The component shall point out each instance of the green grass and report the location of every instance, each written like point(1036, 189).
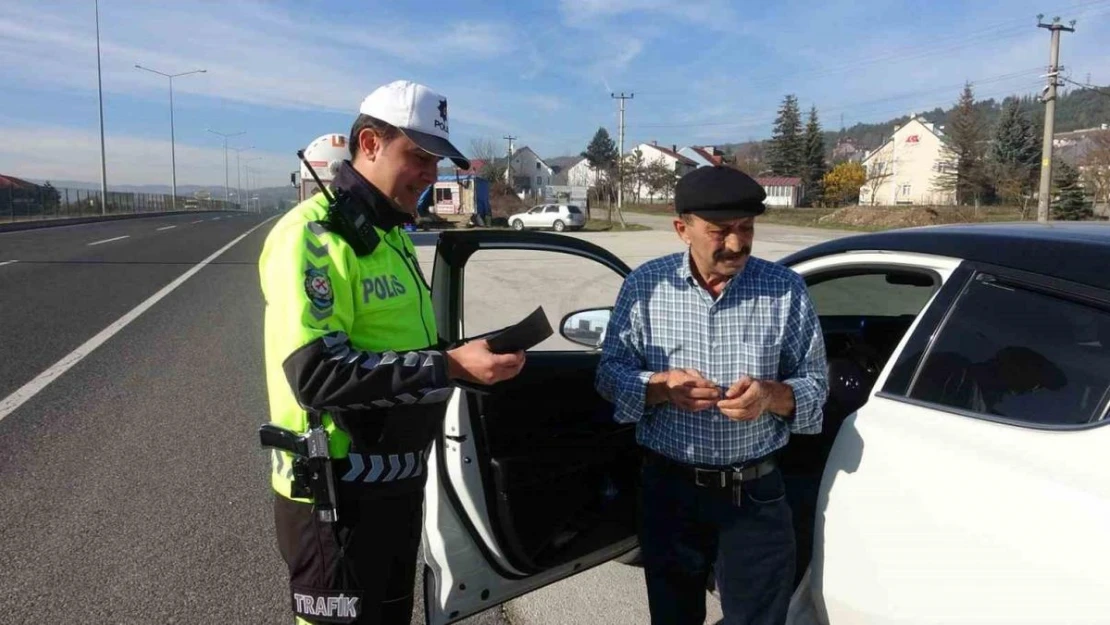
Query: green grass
point(811, 217)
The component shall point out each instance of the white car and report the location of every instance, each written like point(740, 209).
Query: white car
point(558, 217)
point(961, 476)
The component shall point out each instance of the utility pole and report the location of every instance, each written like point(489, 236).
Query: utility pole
point(100, 99)
point(509, 163)
point(620, 155)
point(227, 181)
point(1049, 99)
point(173, 155)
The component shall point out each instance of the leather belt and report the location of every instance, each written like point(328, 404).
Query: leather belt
point(713, 477)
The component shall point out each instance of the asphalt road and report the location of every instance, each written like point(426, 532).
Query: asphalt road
point(133, 489)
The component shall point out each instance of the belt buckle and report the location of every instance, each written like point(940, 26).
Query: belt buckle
point(722, 478)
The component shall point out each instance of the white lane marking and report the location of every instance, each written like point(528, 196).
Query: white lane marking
point(214, 219)
point(166, 228)
point(8, 262)
point(110, 240)
point(198, 221)
point(30, 389)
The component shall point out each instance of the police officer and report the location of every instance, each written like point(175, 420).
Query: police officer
point(350, 334)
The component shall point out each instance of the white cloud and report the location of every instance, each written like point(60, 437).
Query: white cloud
point(58, 153)
point(713, 14)
point(255, 54)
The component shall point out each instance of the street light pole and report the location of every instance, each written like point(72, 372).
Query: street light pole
point(173, 155)
point(227, 181)
point(100, 99)
point(239, 173)
point(247, 168)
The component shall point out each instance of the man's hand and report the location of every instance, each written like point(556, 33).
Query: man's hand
point(745, 400)
point(474, 362)
point(749, 398)
point(685, 388)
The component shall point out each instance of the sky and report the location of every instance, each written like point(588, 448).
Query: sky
point(702, 72)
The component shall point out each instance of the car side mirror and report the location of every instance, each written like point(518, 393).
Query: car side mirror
point(586, 327)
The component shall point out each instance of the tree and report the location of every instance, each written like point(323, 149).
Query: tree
point(634, 168)
point(815, 166)
point(1096, 166)
point(963, 170)
point(1013, 156)
point(601, 155)
point(752, 160)
point(1071, 203)
point(786, 154)
point(843, 182)
point(878, 170)
point(659, 179)
point(484, 150)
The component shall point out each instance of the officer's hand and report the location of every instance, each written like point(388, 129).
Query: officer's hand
point(474, 362)
point(745, 400)
point(685, 388)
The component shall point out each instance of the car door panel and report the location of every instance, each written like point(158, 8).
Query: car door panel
point(532, 479)
point(927, 515)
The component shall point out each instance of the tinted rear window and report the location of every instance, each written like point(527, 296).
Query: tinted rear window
point(574, 210)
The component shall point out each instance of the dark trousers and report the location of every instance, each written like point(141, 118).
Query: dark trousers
point(359, 570)
point(685, 530)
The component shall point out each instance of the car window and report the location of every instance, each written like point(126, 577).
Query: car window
point(1015, 352)
point(574, 210)
point(536, 210)
point(552, 209)
point(561, 283)
point(881, 293)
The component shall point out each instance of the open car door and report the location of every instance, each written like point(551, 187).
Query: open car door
point(531, 480)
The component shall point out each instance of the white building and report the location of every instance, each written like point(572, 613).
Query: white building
point(581, 174)
point(703, 156)
point(782, 192)
point(674, 161)
point(905, 169)
point(530, 174)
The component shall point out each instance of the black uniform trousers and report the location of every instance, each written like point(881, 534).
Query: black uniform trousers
point(360, 569)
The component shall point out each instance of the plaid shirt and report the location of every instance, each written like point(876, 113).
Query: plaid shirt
point(763, 325)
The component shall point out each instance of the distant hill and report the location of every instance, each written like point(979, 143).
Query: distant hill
point(1075, 110)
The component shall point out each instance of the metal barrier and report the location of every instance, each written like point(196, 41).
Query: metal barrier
point(47, 202)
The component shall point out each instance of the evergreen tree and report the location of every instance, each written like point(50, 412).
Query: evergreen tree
point(964, 170)
point(815, 166)
point(1014, 153)
point(601, 154)
point(1071, 203)
point(786, 153)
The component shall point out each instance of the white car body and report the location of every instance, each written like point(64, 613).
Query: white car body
point(923, 513)
point(556, 217)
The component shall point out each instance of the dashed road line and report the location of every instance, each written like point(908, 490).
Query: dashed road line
point(110, 240)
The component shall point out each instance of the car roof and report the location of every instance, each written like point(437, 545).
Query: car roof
point(1076, 251)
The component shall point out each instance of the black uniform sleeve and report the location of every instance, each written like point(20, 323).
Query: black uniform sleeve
point(328, 374)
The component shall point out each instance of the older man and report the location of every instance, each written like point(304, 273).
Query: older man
point(717, 356)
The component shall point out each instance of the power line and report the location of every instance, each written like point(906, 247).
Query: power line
point(1087, 85)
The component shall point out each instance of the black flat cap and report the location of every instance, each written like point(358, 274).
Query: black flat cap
point(719, 192)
